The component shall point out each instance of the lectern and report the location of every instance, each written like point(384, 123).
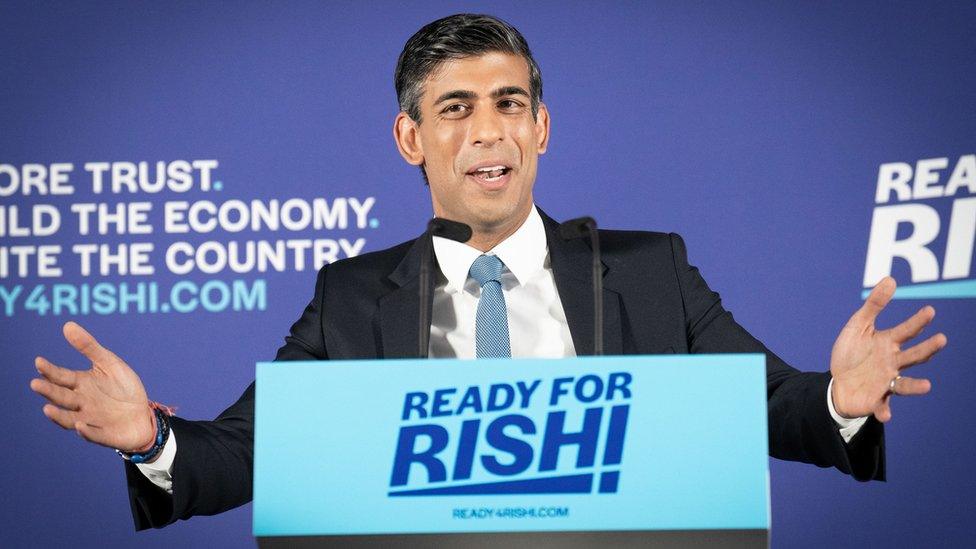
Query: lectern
point(590, 451)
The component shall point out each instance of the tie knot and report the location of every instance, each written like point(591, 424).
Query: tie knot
point(486, 268)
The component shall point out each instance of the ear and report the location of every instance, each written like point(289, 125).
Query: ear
point(542, 128)
point(406, 134)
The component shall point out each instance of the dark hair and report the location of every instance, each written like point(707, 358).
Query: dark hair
point(456, 37)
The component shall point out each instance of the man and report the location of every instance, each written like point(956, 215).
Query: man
point(472, 119)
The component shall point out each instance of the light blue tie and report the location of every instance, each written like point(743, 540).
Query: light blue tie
point(491, 324)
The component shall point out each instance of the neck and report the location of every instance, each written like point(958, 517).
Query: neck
point(486, 238)
point(484, 241)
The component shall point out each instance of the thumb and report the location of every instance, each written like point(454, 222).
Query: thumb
point(876, 301)
point(85, 343)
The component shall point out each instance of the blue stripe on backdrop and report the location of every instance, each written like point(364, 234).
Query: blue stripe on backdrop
point(939, 290)
point(757, 133)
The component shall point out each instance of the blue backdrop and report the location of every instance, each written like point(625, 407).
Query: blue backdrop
point(758, 133)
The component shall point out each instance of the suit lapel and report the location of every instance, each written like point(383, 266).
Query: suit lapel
point(399, 310)
point(571, 267)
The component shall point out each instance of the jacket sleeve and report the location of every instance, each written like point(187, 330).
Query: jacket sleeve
point(213, 467)
point(800, 425)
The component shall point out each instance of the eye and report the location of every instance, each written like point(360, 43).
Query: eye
point(510, 105)
point(455, 109)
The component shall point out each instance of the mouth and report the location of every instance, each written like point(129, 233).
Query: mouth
point(493, 175)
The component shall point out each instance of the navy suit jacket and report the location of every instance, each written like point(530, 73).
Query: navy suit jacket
point(366, 307)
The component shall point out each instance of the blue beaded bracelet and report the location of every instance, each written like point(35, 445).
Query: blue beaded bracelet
point(162, 435)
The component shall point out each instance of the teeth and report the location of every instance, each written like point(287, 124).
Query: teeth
point(491, 173)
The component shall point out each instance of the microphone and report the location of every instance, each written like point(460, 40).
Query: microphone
point(580, 228)
point(446, 228)
point(454, 230)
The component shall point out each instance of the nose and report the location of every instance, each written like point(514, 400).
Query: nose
point(486, 128)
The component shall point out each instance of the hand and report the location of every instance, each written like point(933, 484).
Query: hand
point(106, 405)
point(865, 360)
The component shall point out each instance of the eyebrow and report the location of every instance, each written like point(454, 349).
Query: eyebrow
point(464, 94)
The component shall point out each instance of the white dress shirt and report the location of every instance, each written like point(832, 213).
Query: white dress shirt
point(537, 323)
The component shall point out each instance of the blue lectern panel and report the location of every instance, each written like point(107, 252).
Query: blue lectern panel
point(587, 444)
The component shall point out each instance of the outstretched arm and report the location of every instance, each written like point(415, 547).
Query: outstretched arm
point(863, 363)
point(107, 405)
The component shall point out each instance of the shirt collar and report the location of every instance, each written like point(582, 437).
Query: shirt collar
point(523, 253)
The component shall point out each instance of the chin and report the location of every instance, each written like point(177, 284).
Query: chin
point(490, 217)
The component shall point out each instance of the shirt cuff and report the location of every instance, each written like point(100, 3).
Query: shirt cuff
point(848, 426)
point(160, 472)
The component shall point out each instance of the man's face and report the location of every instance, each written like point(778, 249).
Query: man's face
point(478, 141)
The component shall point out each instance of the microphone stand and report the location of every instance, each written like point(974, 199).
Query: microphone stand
point(446, 228)
point(579, 228)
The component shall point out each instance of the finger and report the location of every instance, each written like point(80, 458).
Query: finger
point(914, 325)
point(85, 343)
point(910, 386)
point(58, 395)
point(921, 352)
point(62, 417)
point(56, 374)
point(876, 300)
point(883, 413)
